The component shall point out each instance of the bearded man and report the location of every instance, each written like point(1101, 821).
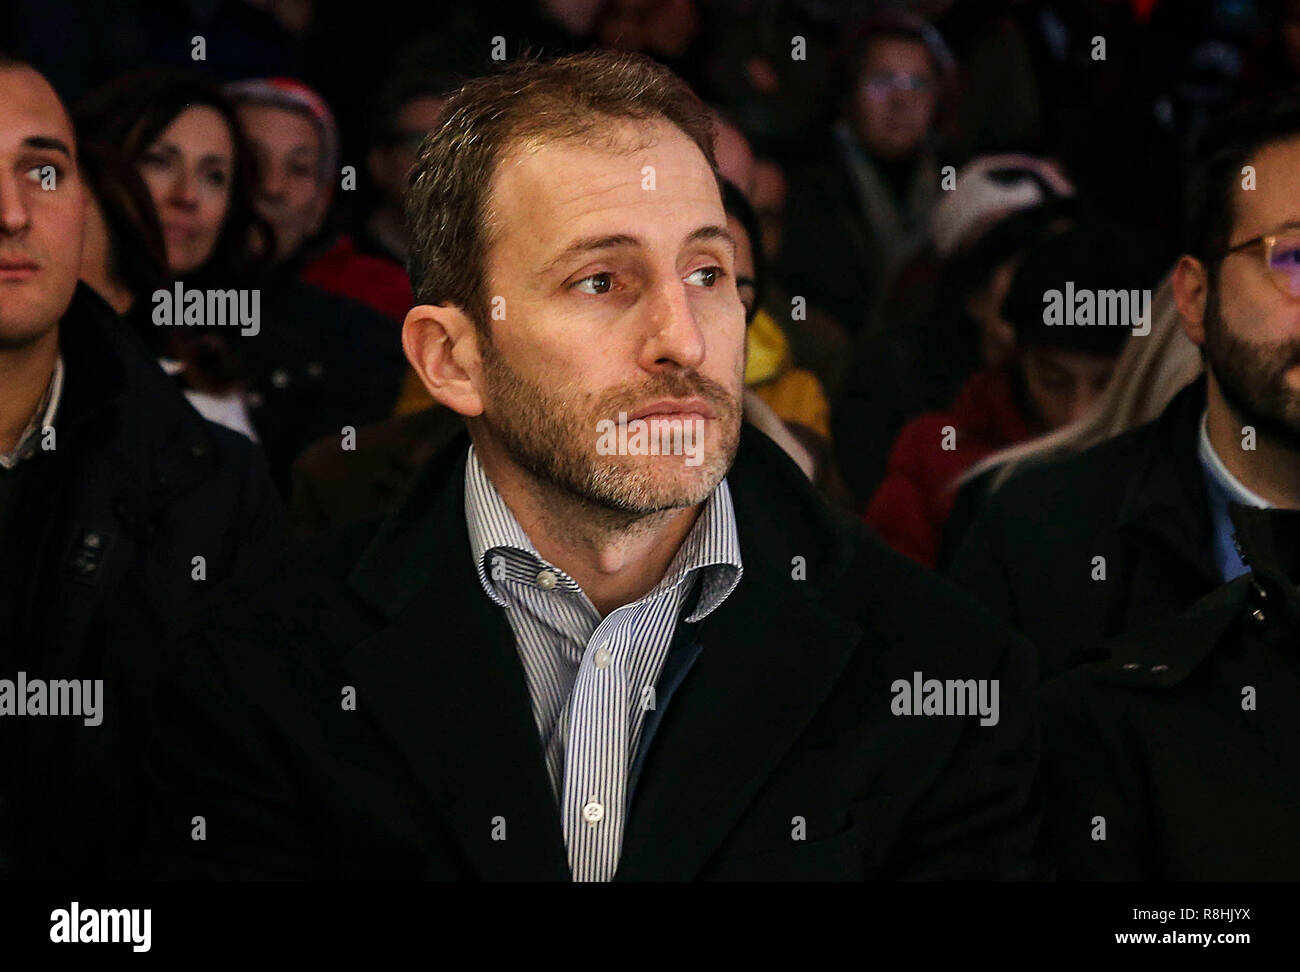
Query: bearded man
point(1135, 530)
point(552, 662)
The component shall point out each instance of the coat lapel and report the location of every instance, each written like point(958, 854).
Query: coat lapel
point(769, 657)
point(444, 682)
point(767, 662)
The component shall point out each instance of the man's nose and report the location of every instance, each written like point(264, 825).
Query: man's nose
point(674, 339)
point(14, 212)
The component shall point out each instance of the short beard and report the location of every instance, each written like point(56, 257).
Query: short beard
point(553, 437)
point(1252, 377)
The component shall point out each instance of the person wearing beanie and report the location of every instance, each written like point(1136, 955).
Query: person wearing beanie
point(1061, 363)
point(296, 141)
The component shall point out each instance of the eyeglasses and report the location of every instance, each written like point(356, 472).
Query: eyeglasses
point(880, 84)
point(1281, 253)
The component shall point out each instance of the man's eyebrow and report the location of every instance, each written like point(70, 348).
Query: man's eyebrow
point(48, 142)
point(589, 244)
point(592, 244)
point(705, 233)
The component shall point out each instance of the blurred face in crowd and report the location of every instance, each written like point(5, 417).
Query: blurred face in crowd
point(617, 298)
point(391, 163)
point(1064, 386)
point(189, 170)
point(1248, 322)
point(896, 97)
point(41, 206)
point(290, 195)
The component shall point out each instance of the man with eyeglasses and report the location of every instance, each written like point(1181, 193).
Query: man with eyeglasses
point(1180, 748)
point(855, 213)
point(1138, 528)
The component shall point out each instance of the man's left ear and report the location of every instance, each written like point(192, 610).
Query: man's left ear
point(1191, 291)
point(441, 343)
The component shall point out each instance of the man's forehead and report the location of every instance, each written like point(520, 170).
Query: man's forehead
point(555, 187)
point(30, 107)
point(1273, 201)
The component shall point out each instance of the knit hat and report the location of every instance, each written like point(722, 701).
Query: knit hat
point(989, 189)
point(292, 95)
point(1085, 289)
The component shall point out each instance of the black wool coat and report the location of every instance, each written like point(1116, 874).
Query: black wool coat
point(1184, 742)
point(785, 713)
point(97, 566)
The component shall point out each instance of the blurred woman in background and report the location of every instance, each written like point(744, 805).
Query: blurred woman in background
point(124, 259)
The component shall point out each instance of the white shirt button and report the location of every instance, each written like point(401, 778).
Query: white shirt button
point(593, 812)
point(603, 657)
point(546, 579)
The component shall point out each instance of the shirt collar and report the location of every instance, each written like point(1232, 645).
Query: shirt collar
point(42, 418)
point(1234, 488)
point(711, 547)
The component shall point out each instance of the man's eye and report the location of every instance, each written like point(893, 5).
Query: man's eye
point(155, 160)
point(597, 283)
point(40, 173)
point(216, 178)
point(707, 276)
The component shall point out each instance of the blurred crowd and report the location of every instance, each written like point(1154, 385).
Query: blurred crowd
point(907, 183)
point(893, 164)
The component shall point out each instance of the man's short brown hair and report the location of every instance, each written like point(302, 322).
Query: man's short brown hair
point(448, 201)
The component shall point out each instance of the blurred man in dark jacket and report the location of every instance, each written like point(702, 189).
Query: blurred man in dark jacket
point(119, 505)
point(1136, 529)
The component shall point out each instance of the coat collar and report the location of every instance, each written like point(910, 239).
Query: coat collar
point(1166, 496)
point(443, 669)
point(1164, 654)
point(1265, 603)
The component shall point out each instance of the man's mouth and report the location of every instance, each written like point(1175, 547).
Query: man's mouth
point(668, 409)
point(13, 270)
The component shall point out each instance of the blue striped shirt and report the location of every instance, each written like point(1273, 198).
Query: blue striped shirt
point(591, 680)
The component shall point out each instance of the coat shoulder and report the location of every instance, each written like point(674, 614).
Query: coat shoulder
point(295, 603)
point(1091, 485)
point(909, 611)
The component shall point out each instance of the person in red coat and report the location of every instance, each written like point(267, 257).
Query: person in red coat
point(296, 141)
point(1072, 303)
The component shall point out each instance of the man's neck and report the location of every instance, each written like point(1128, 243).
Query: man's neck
point(24, 376)
point(1271, 470)
point(614, 558)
